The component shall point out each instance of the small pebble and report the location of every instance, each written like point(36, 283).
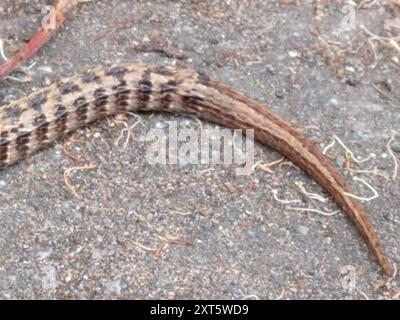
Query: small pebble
point(303, 230)
point(293, 54)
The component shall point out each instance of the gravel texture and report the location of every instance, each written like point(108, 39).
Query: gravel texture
point(230, 237)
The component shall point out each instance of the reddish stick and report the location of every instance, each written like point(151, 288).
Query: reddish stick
point(63, 8)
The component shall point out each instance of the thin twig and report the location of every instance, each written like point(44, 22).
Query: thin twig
point(329, 146)
point(310, 195)
point(280, 297)
point(328, 214)
point(141, 246)
point(376, 195)
point(166, 243)
point(275, 195)
point(266, 166)
point(349, 152)
point(68, 172)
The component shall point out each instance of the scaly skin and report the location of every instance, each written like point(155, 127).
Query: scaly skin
point(33, 122)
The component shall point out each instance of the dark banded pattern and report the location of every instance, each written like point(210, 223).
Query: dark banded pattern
point(35, 121)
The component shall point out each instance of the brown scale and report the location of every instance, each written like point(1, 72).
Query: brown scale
point(41, 132)
point(122, 96)
point(12, 112)
point(81, 109)
point(144, 90)
point(37, 103)
point(68, 87)
point(61, 119)
point(118, 72)
point(167, 90)
point(163, 71)
point(22, 144)
point(4, 143)
point(166, 101)
point(101, 100)
point(90, 77)
point(39, 119)
point(195, 105)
